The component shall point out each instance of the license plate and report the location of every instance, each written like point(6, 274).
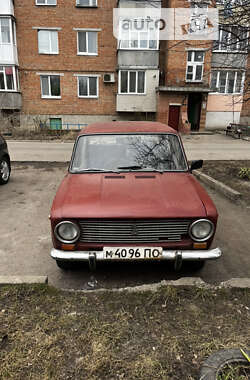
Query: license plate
point(129, 253)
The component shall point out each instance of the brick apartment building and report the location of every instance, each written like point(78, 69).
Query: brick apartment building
point(61, 66)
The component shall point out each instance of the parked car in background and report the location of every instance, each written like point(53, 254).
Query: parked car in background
point(130, 195)
point(5, 166)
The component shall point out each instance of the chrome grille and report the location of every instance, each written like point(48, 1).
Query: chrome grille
point(133, 231)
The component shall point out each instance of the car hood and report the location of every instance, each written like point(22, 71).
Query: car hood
point(129, 195)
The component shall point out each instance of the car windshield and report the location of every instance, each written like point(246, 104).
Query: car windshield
point(128, 152)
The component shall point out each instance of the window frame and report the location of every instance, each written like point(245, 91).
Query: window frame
point(194, 64)
point(136, 83)
point(49, 82)
point(87, 42)
point(12, 31)
point(50, 31)
point(46, 4)
point(220, 48)
point(139, 32)
point(15, 78)
point(226, 83)
point(97, 86)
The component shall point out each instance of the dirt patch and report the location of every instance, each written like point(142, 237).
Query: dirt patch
point(227, 172)
point(48, 334)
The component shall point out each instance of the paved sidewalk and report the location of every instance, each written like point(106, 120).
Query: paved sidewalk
point(206, 147)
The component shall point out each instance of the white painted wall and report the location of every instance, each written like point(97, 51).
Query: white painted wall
point(220, 120)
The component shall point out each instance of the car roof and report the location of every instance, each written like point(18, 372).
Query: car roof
point(127, 127)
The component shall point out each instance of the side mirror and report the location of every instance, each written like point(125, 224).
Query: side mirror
point(196, 165)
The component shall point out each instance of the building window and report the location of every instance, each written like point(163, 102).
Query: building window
point(232, 38)
point(50, 86)
point(48, 42)
point(86, 3)
point(87, 43)
point(8, 78)
point(195, 64)
point(5, 30)
point(138, 34)
point(87, 86)
point(227, 82)
point(45, 2)
point(132, 82)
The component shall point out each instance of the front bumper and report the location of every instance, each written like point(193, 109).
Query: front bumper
point(175, 255)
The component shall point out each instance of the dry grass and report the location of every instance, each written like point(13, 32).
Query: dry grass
point(42, 134)
point(47, 334)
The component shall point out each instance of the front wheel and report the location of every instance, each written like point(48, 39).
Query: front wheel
point(4, 171)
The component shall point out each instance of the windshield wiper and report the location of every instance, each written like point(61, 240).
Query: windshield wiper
point(94, 170)
point(140, 168)
point(132, 167)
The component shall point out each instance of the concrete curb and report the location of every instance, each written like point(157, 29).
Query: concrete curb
point(42, 141)
point(39, 163)
point(14, 280)
point(235, 283)
point(216, 185)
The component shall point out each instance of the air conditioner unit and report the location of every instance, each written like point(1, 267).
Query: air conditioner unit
point(109, 78)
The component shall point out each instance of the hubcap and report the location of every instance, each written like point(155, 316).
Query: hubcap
point(5, 172)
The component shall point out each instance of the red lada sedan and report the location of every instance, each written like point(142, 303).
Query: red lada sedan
point(130, 195)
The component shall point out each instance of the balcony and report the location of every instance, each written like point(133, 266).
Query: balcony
point(145, 102)
point(143, 58)
point(10, 101)
point(6, 7)
point(8, 54)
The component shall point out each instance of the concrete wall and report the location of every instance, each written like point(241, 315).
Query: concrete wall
point(72, 121)
point(10, 100)
point(138, 58)
point(140, 103)
point(219, 120)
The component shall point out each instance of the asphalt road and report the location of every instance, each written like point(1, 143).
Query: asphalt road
point(206, 147)
point(25, 238)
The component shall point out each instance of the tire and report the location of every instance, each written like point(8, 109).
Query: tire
point(4, 171)
point(65, 265)
point(211, 367)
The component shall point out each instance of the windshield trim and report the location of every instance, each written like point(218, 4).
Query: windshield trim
point(128, 171)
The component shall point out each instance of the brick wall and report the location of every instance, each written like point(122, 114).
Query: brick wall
point(65, 16)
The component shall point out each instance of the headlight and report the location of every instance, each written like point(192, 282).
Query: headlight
point(67, 232)
point(201, 230)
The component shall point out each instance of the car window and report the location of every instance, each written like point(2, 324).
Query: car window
point(129, 152)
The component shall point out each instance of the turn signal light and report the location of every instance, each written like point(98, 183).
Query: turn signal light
point(68, 247)
point(200, 245)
